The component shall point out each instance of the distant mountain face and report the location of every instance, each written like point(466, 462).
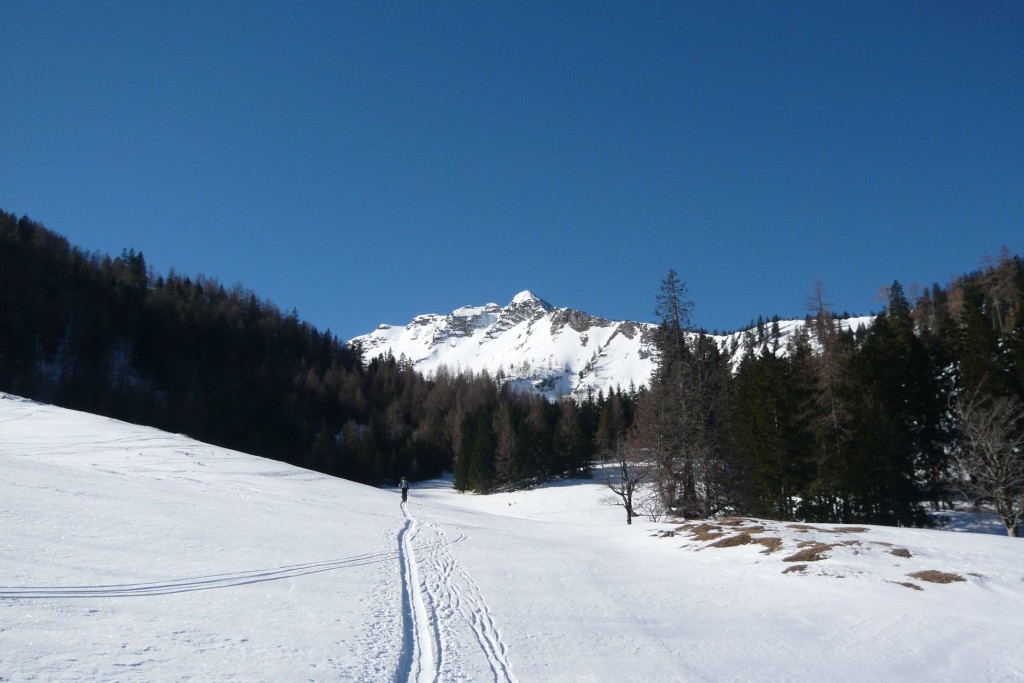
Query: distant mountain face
point(537, 347)
point(530, 343)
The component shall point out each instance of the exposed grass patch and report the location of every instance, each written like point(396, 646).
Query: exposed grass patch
point(798, 545)
point(732, 541)
point(811, 553)
point(770, 543)
point(933, 576)
point(734, 521)
point(705, 532)
point(907, 584)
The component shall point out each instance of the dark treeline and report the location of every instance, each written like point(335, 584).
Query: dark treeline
point(842, 425)
point(839, 426)
point(109, 336)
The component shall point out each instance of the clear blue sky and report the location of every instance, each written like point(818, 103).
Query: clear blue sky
point(364, 162)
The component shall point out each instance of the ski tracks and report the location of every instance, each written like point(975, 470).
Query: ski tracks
point(442, 604)
point(417, 663)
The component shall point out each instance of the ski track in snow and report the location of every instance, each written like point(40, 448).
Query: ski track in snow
point(438, 598)
point(188, 585)
point(417, 663)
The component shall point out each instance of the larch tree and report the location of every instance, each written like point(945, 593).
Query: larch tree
point(827, 408)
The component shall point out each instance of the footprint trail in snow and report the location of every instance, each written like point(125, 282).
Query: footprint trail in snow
point(444, 611)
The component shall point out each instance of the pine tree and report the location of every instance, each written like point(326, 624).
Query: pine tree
point(506, 443)
point(772, 449)
point(895, 454)
point(680, 419)
point(569, 446)
point(610, 437)
point(661, 411)
point(978, 352)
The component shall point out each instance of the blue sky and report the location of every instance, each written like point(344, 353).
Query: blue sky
point(364, 162)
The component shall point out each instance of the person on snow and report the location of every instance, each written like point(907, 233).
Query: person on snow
point(404, 485)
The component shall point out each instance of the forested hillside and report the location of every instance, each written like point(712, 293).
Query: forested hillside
point(187, 354)
point(875, 427)
point(835, 426)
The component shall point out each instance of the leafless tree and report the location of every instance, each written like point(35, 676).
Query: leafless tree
point(831, 363)
point(627, 478)
point(990, 455)
point(826, 411)
point(999, 281)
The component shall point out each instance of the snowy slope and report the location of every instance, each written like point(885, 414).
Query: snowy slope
point(537, 347)
point(130, 554)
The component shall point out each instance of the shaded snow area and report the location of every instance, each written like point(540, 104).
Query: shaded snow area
point(129, 554)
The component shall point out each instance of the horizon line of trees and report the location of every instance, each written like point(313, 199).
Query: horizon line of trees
point(870, 427)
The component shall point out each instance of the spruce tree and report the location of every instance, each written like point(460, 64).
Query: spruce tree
point(895, 455)
point(773, 453)
point(680, 420)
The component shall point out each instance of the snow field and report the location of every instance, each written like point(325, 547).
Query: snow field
point(129, 554)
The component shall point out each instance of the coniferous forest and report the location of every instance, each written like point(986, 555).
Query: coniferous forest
point(825, 426)
point(189, 355)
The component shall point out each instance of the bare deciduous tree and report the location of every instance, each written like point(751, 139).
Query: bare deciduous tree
point(630, 473)
point(990, 456)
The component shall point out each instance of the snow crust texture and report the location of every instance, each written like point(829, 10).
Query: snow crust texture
point(129, 554)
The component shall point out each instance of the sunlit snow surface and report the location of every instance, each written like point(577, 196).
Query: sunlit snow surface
point(129, 554)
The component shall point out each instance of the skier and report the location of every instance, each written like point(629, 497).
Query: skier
point(404, 485)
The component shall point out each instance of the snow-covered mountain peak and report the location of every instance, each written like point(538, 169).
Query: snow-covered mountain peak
point(526, 297)
point(553, 351)
point(532, 344)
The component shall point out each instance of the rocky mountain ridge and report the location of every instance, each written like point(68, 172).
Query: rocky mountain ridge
point(535, 346)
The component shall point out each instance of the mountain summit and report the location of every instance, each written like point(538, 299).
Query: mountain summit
point(529, 343)
point(528, 298)
point(551, 351)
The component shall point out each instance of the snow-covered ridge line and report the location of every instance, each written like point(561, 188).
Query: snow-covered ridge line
point(529, 343)
point(535, 346)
